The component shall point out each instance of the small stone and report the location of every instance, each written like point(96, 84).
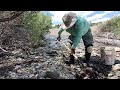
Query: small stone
point(32, 75)
point(23, 70)
point(32, 56)
point(52, 75)
point(19, 59)
point(16, 51)
point(114, 77)
point(36, 75)
point(37, 67)
point(118, 73)
point(19, 71)
point(17, 66)
point(42, 60)
point(33, 69)
point(13, 75)
point(34, 64)
point(116, 67)
point(110, 74)
point(37, 57)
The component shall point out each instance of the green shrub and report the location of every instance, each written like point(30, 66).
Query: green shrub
point(112, 25)
point(38, 24)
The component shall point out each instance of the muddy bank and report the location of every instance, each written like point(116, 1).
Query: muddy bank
point(48, 62)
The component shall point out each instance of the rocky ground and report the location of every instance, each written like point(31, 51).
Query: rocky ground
point(47, 62)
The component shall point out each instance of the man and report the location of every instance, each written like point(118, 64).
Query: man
point(79, 29)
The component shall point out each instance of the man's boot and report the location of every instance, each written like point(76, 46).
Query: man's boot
point(87, 57)
point(88, 50)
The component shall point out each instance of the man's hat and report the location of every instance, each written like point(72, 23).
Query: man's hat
point(69, 20)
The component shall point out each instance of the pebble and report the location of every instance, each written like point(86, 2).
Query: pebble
point(118, 73)
point(31, 75)
point(110, 74)
point(13, 75)
point(116, 67)
point(114, 77)
point(17, 66)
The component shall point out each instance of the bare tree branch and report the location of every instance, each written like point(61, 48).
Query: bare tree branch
point(15, 15)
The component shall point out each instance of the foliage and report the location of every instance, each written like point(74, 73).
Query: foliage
point(38, 24)
point(112, 25)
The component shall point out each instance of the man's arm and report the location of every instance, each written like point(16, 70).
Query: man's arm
point(78, 36)
point(60, 30)
point(59, 33)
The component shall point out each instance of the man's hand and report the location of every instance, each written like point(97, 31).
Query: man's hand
point(58, 38)
point(72, 51)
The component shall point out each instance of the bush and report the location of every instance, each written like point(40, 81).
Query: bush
point(112, 25)
point(38, 24)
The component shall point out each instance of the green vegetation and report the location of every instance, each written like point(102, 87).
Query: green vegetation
point(92, 24)
point(112, 25)
point(38, 24)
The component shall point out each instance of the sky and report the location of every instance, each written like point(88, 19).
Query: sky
point(90, 16)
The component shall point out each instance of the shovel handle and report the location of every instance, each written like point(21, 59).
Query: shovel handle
point(69, 50)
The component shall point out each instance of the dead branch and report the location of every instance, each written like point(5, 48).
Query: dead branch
point(15, 15)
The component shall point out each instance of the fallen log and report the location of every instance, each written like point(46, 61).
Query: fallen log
point(107, 41)
point(117, 49)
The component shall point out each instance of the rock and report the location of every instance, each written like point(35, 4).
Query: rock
point(19, 71)
point(41, 74)
point(19, 59)
point(114, 77)
point(31, 75)
point(23, 70)
point(80, 75)
point(110, 74)
point(52, 75)
point(116, 67)
point(32, 56)
point(17, 66)
point(33, 69)
point(16, 51)
point(36, 75)
point(31, 53)
point(13, 75)
point(37, 67)
point(52, 53)
point(118, 73)
point(2, 77)
point(34, 52)
point(38, 57)
point(34, 64)
point(21, 55)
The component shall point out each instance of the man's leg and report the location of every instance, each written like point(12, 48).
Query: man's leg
point(88, 51)
point(88, 42)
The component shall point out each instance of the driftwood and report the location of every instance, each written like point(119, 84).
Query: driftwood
point(15, 15)
point(3, 49)
point(4, 52)
point(108, 41)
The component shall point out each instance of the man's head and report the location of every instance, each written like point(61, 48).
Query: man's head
point(69, 19)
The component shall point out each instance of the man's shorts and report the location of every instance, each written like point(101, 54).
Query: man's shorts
point(87, 38)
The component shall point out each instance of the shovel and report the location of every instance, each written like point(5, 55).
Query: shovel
point(76, 58)
point(68, 49)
